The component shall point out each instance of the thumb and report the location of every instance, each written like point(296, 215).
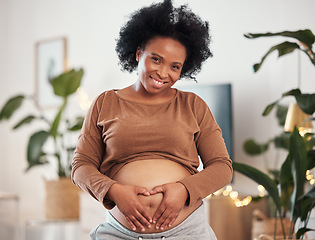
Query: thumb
point(157, 189)
point(143, 191)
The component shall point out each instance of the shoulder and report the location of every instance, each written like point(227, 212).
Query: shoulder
point(191, 98)
point(106, 97)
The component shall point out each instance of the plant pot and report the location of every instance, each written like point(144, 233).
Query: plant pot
point(264, 227)
point(62, 199)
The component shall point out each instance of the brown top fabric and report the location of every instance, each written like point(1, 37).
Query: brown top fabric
point(117, 131)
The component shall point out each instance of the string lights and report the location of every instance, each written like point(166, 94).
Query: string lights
point(229, 192)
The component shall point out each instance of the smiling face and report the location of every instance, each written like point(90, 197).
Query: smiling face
point(160, 65)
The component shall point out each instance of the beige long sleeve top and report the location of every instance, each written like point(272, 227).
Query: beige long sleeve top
point(117, 131)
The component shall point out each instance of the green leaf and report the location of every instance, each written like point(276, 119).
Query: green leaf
point(282, 48)
point(305, 204)
point(11, 106)
point(281, 114)
point(306, 102)
point(299, 162)
point(24, 121)
point(56, 122)
point(311, 159)
point(260, 178)
point(306, 36)
point(285, 171)
point(67, 83)
point(252, 148)
point(77, 125)
point(34, 149)
point(282, 141)
point(293, 92)
point(269, 108)
point(302, 231)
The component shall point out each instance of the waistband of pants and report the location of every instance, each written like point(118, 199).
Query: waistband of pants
point(193, 220)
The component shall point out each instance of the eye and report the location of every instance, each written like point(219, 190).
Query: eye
point(175, 67)
point(156, 60)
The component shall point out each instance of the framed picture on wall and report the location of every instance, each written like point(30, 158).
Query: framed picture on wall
point(50, 61)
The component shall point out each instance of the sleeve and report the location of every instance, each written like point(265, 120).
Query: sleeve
point(217, 165)
point(88, 157)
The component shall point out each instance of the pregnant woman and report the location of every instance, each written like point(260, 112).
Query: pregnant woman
point(139, 148)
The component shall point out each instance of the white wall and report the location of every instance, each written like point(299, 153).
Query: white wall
point(91, 28)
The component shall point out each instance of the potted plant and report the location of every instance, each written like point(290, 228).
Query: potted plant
point(289, 183)
point(59, 152)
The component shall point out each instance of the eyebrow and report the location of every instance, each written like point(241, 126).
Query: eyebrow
point(155, 54)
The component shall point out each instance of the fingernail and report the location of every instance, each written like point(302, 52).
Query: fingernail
point(157, 227)
point(149, 225)
point(162, 228)
point(142, 229)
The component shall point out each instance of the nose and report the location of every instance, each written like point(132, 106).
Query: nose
point(162, 72)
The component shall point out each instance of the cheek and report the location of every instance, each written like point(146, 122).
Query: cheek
point(175, 76)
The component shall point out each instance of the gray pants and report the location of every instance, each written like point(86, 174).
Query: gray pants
point(194, 227)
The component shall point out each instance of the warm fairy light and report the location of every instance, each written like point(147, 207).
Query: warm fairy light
point(261, 190)
point(234, 195)
point(228, 191)
point(304, 131)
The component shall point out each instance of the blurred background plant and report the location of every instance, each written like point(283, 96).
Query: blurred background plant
point(286, 185)
point(56, 130)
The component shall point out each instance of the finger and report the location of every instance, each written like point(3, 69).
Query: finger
point(157, 189)
point(131, 223)
point(161, 221)
point(158, 213)
point(172, 221)
point(146, 216)
point(143, 218)
point(169, 220)
point(136, 222)
point(143, 191)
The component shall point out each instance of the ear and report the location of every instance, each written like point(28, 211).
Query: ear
point(138, 53)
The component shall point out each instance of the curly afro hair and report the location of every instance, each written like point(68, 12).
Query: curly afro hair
point(163, 19)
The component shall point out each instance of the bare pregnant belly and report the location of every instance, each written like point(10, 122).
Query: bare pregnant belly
point(148, 174)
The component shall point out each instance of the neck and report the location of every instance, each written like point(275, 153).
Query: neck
point(142, 94)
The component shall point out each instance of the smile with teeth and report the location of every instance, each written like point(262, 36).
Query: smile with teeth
point(157, 82)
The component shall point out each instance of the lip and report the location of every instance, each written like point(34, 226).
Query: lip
point(157, 83)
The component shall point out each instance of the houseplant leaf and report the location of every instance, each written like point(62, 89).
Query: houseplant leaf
point(11, 106)
point(306, 203)
point(34, 149)
point(24, 121)
point(306, 102)
point(282, 141)
point(67, 83)
point(269, 108)
point(306, 36)
point(260, 178)
point(302, 231)
point(56, 122)
point(299, 162)
point(281, 114)
point(77, 125)
point(282, 48)
point(251, 147)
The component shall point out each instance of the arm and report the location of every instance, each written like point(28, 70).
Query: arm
point(86, 173)
point(217, 165)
